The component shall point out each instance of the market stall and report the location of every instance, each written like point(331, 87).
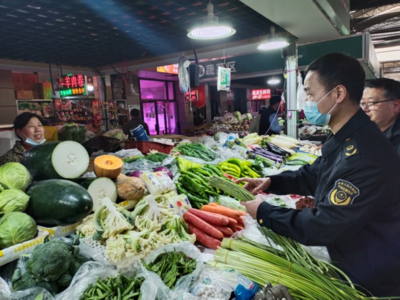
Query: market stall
point(155, 225)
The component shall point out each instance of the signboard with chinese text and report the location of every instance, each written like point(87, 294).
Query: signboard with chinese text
point(260, 94)
point(71, 85)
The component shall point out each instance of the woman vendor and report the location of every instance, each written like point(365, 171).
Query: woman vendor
point(29, 129)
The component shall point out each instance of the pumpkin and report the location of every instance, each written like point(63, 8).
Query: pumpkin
point(130, 188)
point(108, 166)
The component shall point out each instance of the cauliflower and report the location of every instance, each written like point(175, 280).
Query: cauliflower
point(111, 219)
point(150, 213)
point(175, 229)
point(115, 249)
point(86, 227)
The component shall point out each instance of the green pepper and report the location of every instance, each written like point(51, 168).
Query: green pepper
point(192, 185)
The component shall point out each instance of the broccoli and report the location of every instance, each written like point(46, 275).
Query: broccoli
point(65, 280)
point(74, 267)
point(51, 286)
point(26, 281)
point(49, 261)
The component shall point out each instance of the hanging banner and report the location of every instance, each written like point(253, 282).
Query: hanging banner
point(201, 96)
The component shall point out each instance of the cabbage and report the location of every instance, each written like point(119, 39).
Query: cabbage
point(16, 227)
point(14, 175)
point(116, 134)
point(13, 200)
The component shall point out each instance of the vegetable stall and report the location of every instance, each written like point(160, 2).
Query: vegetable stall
point(154, 226)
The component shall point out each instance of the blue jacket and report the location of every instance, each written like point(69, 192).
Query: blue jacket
point(356, 185)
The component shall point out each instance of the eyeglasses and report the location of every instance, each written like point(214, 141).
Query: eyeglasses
point(369, 104)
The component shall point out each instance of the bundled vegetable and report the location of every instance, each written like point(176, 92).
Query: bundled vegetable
point(252, 139)
point(300, 159)
point(120, 287)
point(231, 188)
point(171, 266)
point(51, 266)
point(196, 150)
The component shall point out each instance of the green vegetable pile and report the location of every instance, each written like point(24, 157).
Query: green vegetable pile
point(196, 150)
point(120, 288)
point(51, 265)
point(154, 157)
point(171, 266)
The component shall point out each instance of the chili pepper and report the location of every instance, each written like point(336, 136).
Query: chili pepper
point(192, 185)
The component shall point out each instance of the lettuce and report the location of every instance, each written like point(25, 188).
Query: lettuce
point(14, 175)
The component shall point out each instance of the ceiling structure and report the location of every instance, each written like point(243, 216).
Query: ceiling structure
point(97, 33)
point(381, 18)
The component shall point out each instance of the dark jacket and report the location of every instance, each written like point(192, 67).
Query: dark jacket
point(14, 154)
point(356, 185)
point(393, 134)
point(264, 121)
point(135, 122)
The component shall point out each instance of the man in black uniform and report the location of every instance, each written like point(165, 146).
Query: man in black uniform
point(356, 183)
point(269, 118)
point(135, 122)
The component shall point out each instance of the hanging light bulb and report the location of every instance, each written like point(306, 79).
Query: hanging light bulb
point(211, 29)
point(273, 42)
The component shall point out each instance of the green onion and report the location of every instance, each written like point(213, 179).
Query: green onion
point(230, 188)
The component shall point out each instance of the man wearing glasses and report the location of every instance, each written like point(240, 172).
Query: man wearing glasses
point(381, 102)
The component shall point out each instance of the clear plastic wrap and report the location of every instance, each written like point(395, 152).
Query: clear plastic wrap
point(157, 183)
point(146, 165)
point(125, 153)
point(183, 283)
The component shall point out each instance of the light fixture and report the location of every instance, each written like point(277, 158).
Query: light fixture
point(211, 29)
point(90, 87)
point(274, 81)
point(273, 42)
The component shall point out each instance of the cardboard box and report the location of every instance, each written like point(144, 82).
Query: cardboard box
point(24, 94)
point(18, 80)
point(45, 90)
point(30, 78)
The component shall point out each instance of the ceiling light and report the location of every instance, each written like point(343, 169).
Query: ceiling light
point(274, 81)
point(211, 29)
point(273, 42)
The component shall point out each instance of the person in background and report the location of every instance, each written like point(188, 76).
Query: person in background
point(29, 129)
point(381, 102)
point(355, 183)
point(135, 121)
point(255, 123)
point(269, 118)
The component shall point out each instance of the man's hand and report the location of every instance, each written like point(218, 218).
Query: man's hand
point(252, 206)
point(255, 185)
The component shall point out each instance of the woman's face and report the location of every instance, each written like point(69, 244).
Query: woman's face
point(33, 130)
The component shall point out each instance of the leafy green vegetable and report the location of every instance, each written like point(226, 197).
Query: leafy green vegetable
point(14, 175)
point(171, 266)
point(15, 228)
point(196, 150)
point(154, 157)
point(13, 200)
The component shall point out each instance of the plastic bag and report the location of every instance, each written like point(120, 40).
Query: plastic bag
point(183, 283)
point(301, 94)
point(146, 165)
point(125, 153)
point(214, 284)
point(157, 183)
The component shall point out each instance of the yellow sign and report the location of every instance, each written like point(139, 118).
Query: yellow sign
point(343, 193)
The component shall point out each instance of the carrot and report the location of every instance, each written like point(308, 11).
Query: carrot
point(205, 227)
point(232, 224)
point(213, 219)
point(239, 228)
point(221, 210)
point(240, 212)
point(204, 238)
point(227, 232)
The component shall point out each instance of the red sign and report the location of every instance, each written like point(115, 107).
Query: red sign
point(201, 98)
point(71, 81)
point(260, 94)
point(193, 95)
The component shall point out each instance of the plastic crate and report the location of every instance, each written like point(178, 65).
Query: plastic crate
point(145, 146)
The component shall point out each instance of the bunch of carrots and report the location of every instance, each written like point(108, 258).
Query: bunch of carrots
point(213, 223)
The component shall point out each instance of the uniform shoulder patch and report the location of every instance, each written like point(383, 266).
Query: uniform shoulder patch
point(350, 148)
point(343, 193)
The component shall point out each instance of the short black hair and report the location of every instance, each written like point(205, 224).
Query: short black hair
point(22, 119)
point(340, 69)
point(135, 112)
point(390, 87)
point(274, 99)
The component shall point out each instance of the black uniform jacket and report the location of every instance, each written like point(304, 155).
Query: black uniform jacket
point(356, 185)
point(264, 121)
point(393, 134)
point(135, 122)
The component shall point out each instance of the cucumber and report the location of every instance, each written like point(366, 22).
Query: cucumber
point(56, 160)
point(58, 202)
point(100, 188)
